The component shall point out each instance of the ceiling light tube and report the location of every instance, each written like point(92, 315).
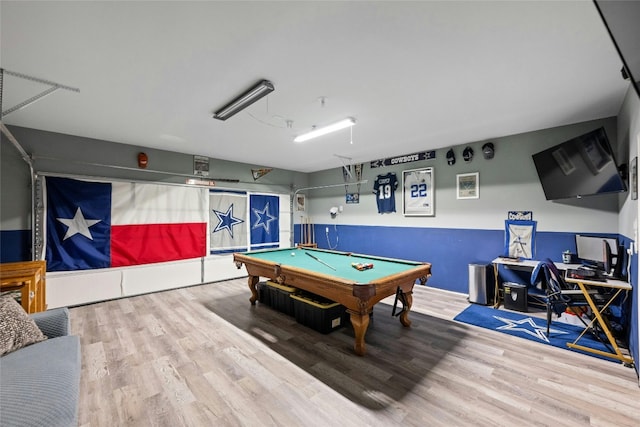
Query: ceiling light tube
point(348, 122)
point(260, 90)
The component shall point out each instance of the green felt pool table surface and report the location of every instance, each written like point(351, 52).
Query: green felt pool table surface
point(340, 261)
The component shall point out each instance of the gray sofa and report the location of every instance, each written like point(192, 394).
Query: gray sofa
point(39, 384)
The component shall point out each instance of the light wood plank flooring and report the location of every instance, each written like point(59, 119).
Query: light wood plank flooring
point(203, 356)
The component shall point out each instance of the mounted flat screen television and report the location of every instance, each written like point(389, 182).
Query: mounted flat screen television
point(581, 166)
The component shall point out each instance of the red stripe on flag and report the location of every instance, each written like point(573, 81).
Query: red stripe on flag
point(150, 243)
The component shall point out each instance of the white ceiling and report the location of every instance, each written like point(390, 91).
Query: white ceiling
point(416, 76)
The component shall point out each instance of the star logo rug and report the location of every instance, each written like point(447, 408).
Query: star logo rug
point(528, 326)
point(525, 326)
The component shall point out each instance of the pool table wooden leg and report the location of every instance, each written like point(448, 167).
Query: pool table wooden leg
point(360, 324)
point(404, 317)
point(253, 281)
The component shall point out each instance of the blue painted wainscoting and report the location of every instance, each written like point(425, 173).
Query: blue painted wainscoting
point(449, 250)
point(15, 245)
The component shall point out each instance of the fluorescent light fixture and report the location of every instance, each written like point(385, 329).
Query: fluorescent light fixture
point(258, 91)
point(348, 122)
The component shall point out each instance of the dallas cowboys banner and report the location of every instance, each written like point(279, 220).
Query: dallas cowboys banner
point(520, 238)
point(407, 158)
point(227, 219)
point(265, 221)
point(99, 225)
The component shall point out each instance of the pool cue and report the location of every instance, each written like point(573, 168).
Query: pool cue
point(319, 260)
point(302, 230)
point(313, 234)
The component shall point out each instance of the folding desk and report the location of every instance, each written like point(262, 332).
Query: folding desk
point(585, 286)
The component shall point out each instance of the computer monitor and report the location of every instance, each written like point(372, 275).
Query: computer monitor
point(590, 250)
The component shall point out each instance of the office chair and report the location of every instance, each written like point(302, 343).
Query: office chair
point(555, 293)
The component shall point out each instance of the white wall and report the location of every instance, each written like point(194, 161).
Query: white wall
point(629, 133)
point(507, 182)
point(14, 188)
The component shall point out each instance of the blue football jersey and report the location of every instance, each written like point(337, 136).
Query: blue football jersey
point(384, 188)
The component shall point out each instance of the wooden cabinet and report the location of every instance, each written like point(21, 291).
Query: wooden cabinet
point(29, 278)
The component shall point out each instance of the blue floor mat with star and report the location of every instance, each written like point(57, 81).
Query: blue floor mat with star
point(528, 327)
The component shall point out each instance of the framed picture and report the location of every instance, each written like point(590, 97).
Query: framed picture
point(418, 188)
point(200, 166)
point(468, 185)
point(353, 198)
point(300, 202)
point(633, 179)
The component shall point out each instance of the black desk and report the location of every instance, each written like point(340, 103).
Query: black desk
point(524, 265)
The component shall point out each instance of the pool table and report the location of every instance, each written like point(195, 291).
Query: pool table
point(331, 275)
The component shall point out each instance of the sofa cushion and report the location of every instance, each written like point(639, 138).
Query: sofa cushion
point(17, 329)
point(39, 384)
point(53, 323)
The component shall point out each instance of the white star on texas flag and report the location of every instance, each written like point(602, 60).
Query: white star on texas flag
point(264, 218)
point(227, 220)
point(528, 326)
point(78, 225)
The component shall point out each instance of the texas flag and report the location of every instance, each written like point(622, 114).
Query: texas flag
point(101, 225)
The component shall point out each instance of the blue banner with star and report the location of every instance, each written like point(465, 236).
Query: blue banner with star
point(78, 224)
point(228, 223)
point(264, 211)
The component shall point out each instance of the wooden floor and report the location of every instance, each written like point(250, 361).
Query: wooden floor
point(203, 356)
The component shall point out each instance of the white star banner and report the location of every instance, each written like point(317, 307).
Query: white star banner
point(228, 221)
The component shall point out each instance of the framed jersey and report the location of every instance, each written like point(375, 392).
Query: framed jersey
point(384, 187)
point(520, 238)
point(418, 190)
